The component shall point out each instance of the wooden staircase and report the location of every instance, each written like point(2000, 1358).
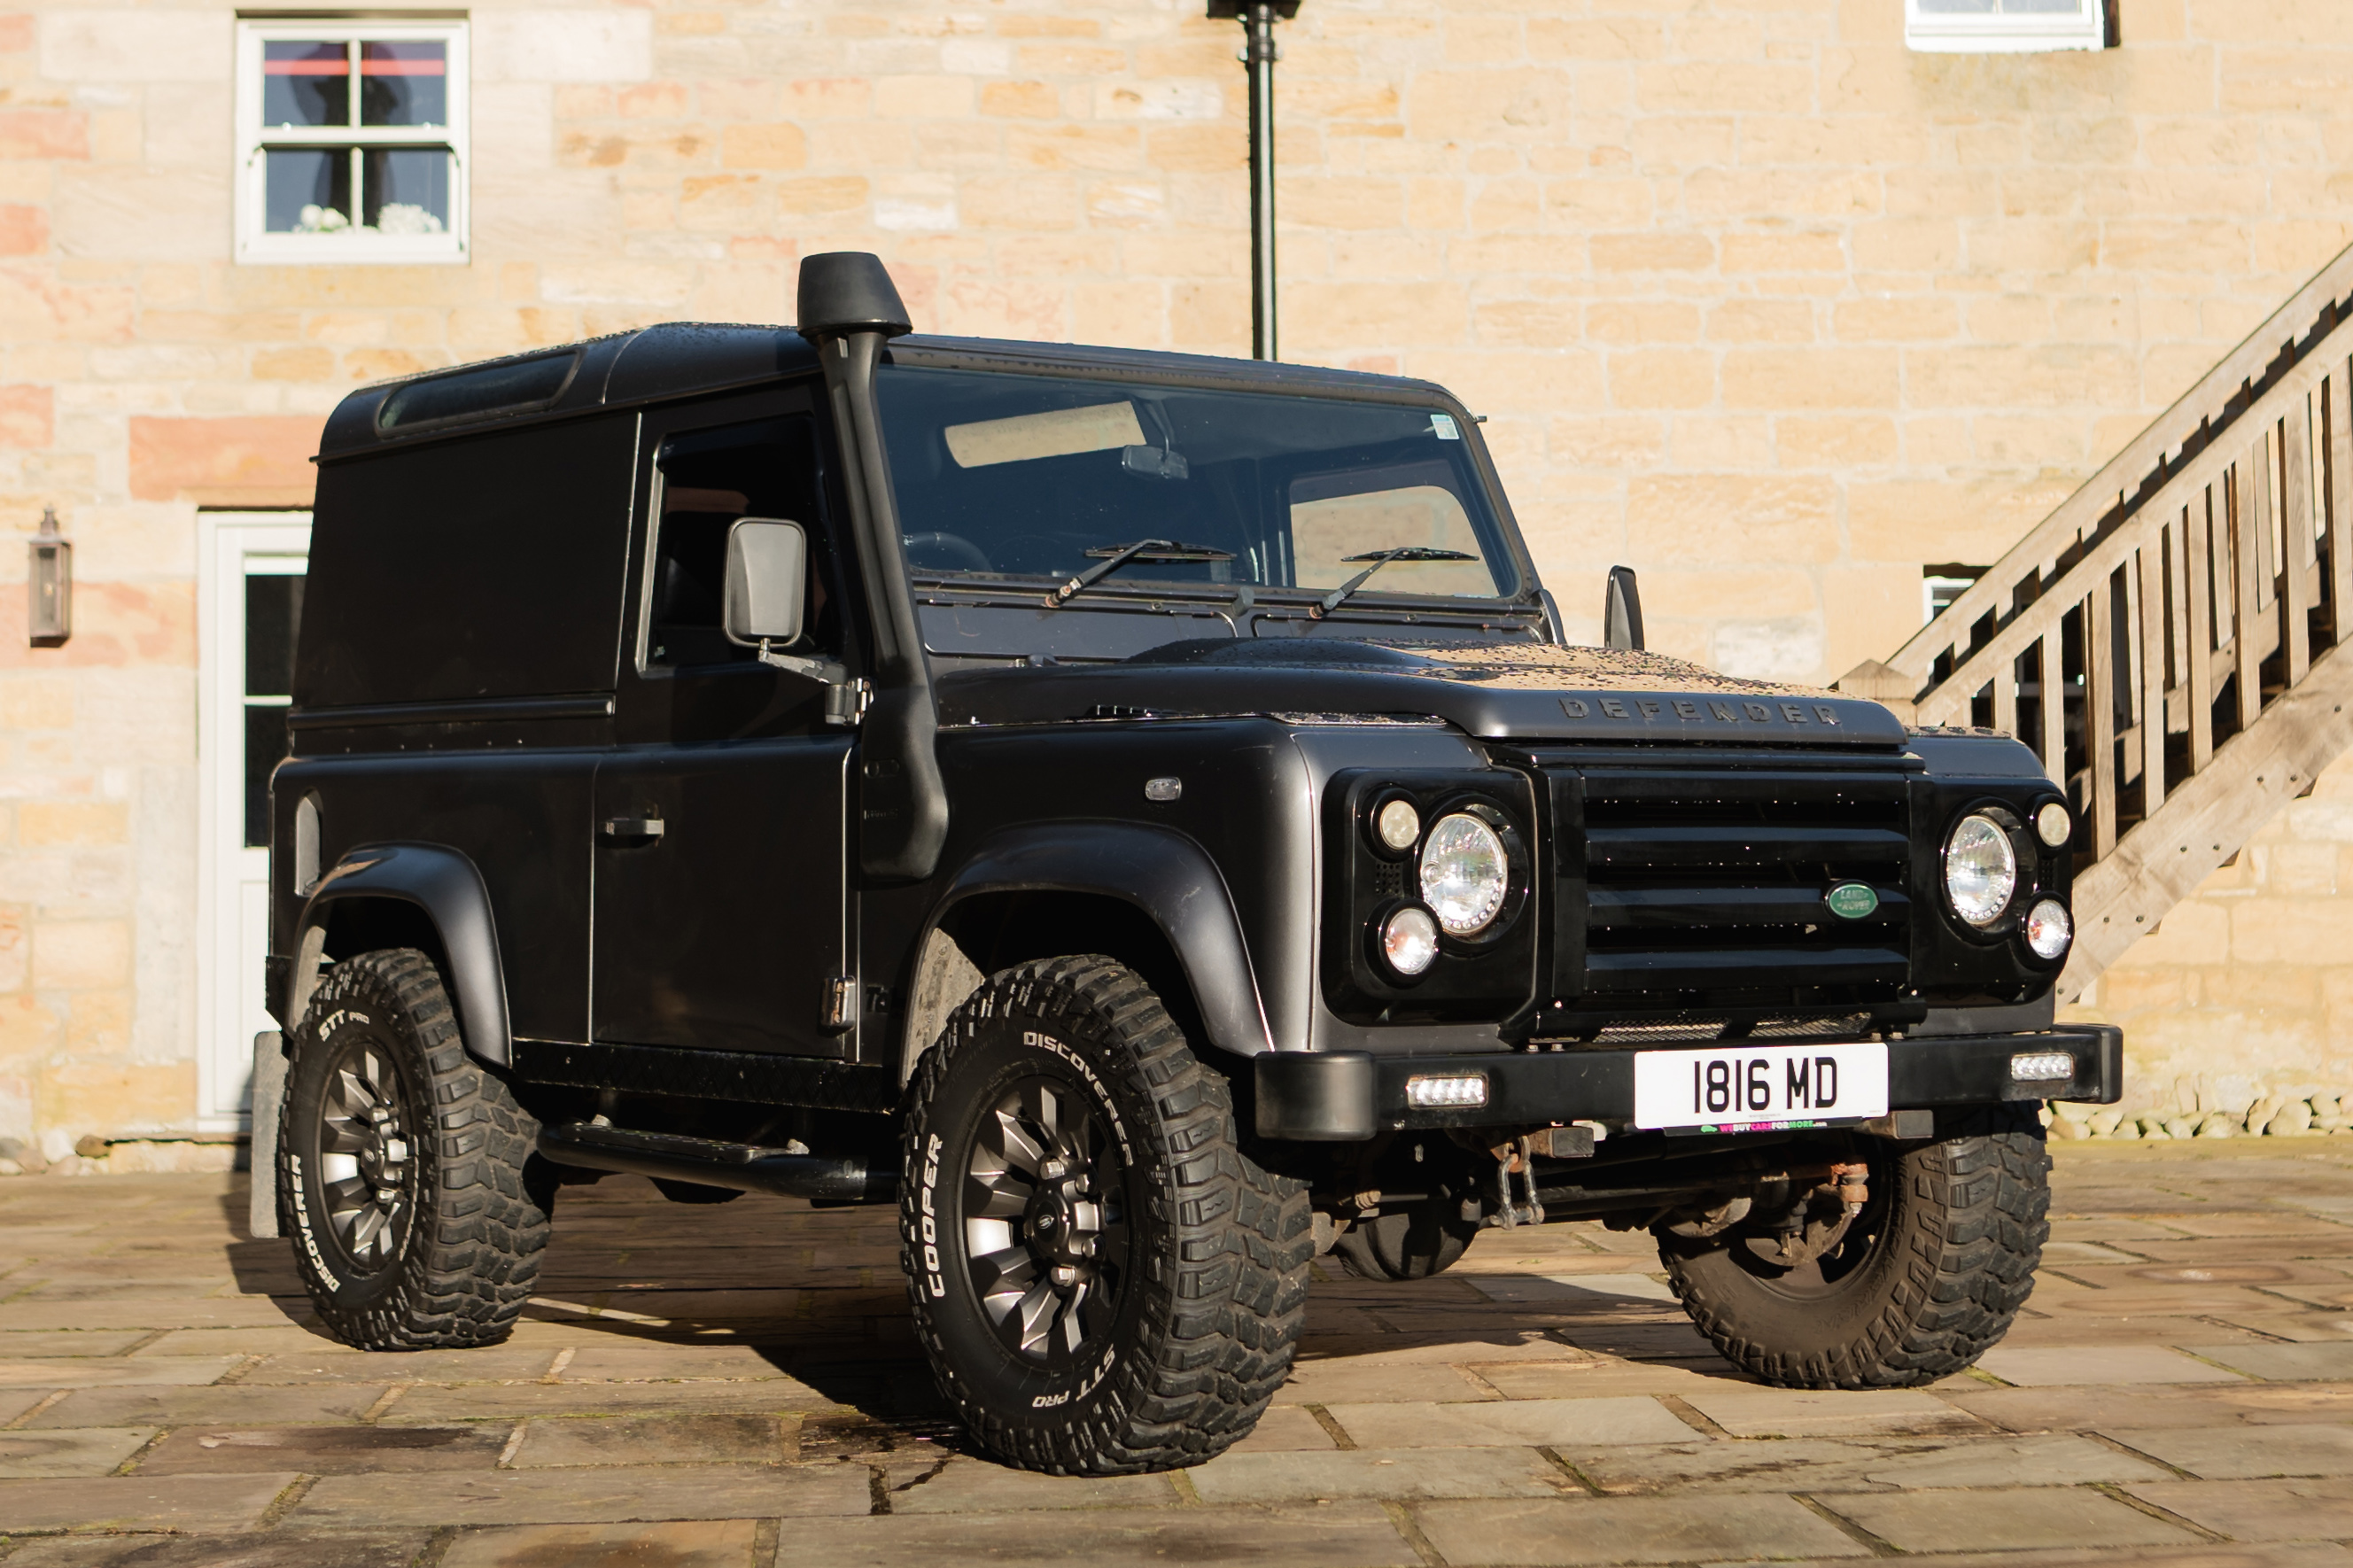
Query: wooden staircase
point(2172, 640)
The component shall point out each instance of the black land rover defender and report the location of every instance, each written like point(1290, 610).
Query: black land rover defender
point(1139, 814)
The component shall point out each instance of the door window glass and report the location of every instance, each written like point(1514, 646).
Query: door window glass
point(273, 616)
point(708, 478)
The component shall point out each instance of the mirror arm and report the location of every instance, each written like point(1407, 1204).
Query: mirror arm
point(825, 671)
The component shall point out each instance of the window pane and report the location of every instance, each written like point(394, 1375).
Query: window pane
point(404, 84)
point(306, 84)
point(2042, 8)
point(309, 189)
point(406, 190)
point(265, 747)
point(1957, 7)
point(273, 611)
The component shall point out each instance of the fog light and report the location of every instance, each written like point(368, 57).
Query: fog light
point(2041, 1067)
point(2048, 929)
point(1452, 1093)
point(1398, 825)
point(1410, 939)
point(2053, 824)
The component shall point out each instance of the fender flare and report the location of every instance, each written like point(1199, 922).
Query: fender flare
point(1163, 873)
point(449, 888)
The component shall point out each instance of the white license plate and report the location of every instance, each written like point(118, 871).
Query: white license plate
point(1745, 1087)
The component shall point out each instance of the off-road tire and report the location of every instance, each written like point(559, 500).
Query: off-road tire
point(1955, 1231)
point(1417, 1240)
point(1208, 1292)
point(462, 1259)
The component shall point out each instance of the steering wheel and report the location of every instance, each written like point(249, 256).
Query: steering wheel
point(967, 555)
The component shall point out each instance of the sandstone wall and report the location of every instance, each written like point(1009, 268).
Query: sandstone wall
point(1756, 300)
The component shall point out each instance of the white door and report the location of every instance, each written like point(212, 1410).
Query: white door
point(251, 568)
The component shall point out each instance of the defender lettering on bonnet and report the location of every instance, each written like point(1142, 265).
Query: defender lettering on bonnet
point(1705, 711)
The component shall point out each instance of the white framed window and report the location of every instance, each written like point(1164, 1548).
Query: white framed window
point(2004, 26)
point(351, 141)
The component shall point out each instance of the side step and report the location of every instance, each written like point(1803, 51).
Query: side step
point(746, 1167)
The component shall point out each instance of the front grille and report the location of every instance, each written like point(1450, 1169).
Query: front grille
point(1673, 1030)
point(1707, 890)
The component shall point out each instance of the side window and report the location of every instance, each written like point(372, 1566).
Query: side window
point(705, 480)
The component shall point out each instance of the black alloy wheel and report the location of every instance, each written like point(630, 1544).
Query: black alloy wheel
point(405, 1173)
point(1103, 1281)
point(1047, 1241)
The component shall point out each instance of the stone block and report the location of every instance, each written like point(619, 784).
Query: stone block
point(251, 459)
point(1371, 1473)
point(773, 146)
point(1778, 379)
point(81, 955)
point(112, 47)
point(1333, 1535)
point(69, 1451)
point(353, 1449)
point(1724, 520)
point(1653, 252)
point(608, 1494)
point(577, 47)
point(2129, 1365)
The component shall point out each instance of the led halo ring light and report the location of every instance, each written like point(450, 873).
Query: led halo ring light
point(1980, 869)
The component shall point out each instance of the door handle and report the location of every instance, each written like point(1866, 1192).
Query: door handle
point(618, 827)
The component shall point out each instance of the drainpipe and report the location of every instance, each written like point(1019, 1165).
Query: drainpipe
point(850, 310)
point(1258, 55)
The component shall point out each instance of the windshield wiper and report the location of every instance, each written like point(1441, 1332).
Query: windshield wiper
point(1380, 558)
point(1115, 556)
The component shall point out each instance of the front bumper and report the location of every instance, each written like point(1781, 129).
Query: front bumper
point(1345, 1096)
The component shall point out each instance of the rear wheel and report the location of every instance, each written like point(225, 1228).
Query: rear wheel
point(1925, 1280)
point(1102, 1280)
point(405, 1175)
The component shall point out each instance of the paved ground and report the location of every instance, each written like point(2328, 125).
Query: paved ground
point(731, 1387)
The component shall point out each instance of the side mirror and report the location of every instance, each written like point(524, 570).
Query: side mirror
point(767, 582)
point(1622, 611)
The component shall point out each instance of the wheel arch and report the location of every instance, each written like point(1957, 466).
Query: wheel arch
point(1148, 895)
point(426, 895)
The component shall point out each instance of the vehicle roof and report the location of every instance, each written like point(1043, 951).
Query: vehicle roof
point(683, 359)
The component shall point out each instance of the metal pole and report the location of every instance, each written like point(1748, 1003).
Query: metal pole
point(1258, 55)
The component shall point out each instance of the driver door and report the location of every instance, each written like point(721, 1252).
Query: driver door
point(722, 910)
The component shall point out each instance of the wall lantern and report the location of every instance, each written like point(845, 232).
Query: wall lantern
point(49, 582)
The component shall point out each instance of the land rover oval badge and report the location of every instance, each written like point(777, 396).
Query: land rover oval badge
point(1852, 901)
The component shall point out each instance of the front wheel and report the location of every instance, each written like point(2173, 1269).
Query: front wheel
point(1925, 1280)
point(1104, 1282)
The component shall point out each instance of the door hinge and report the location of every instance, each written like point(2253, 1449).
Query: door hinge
point(845, 703)
point(841, 1002)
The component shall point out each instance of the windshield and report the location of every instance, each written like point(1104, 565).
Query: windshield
point(1007, 476)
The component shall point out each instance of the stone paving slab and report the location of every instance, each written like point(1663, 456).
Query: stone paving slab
point(948, 1483)
point(235, 1404)
point(2084, 1409)
point(2245, 1453)
point(1406, 1425)
point(149, 1313)
point(2014, 1517)
point(1396, 1475)
point(2284, 1363)
point(1284, 1429)
point(1755, 1411)
point(203, 1503)
point(1333, 1535)
point(97, 1372)
point(2118, 1365)
point(1629, 1529)
point(1806, 1464)
point(2260, 1511)
point(69, 1451)
point(609, 1494)
point(322, 1450)
point(16, 1344)
point(695, 1543)
point(706, 1439)
point(278, 1549)
point(1584, 1289)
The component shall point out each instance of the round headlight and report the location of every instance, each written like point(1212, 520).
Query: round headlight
point(1410, 939)
point(1398, 825)
point(1980, 870)
point(2048, 929)
point(2053, 824)
point(1464, 873)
